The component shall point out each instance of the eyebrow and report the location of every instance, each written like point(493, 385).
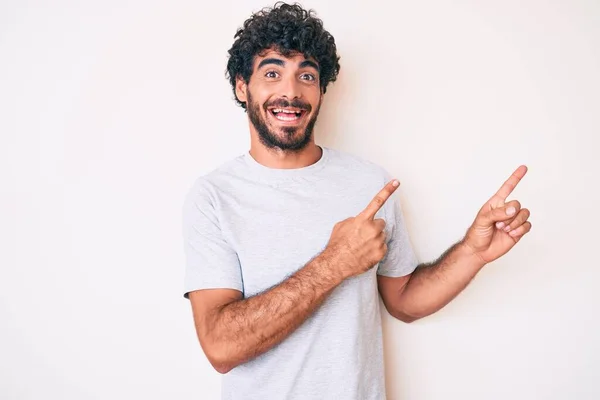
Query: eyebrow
point(308, 63)
point(281, 63)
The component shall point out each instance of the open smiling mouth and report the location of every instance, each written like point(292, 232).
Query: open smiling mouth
point(287, 114)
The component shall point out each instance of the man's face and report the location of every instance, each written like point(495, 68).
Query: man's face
point(283, 98)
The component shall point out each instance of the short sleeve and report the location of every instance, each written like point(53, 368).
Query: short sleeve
point(210, 262)
point(400, 259)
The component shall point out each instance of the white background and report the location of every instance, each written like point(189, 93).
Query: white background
point(109, 110)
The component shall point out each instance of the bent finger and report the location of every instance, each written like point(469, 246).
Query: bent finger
point(518, 232)
point(519, 220)
point(503, 223)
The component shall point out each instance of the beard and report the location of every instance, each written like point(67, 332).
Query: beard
point(290, 139)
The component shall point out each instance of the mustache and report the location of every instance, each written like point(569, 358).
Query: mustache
point(296, 103)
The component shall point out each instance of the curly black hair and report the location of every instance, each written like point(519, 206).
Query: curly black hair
point(288, 28)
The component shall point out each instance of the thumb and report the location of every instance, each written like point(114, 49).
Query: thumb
point(504, 213)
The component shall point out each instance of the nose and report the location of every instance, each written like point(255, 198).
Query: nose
point(290, 88)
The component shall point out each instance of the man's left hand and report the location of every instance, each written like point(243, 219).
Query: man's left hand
point(499, 225)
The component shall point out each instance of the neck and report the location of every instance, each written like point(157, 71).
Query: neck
point(280, 159)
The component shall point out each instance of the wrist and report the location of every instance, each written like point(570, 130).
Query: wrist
point(329, 265)
point(466, 251)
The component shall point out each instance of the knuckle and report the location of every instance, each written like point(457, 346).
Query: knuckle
point(378, 200)
point(379, 223)
point(522, 217)
point(373, 229)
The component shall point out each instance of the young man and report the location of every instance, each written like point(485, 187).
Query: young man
point(289, 245)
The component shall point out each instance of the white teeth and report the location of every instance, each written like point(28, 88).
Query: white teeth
point(286, 118)
point(280, 110)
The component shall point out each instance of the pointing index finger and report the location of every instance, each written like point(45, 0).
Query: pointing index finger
point(380, 199)
point(511, 182)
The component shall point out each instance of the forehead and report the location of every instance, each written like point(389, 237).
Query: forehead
point(294, 58)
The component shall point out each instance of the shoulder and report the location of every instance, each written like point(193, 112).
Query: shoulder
point(205, 188)
point(358, 165)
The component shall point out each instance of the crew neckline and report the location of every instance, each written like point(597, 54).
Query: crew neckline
point(265, 171)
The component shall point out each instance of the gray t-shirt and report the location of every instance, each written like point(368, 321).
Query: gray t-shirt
point(248, 227)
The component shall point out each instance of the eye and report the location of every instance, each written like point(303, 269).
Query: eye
point(271, 74)
point(310, 77)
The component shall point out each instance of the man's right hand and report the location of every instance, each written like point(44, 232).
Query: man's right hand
point(358, 243)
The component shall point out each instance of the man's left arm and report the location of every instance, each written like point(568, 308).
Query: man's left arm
point(498, 226)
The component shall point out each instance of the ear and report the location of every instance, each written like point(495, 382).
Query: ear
point(240, 89)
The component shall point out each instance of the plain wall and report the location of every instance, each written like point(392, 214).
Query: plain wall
point(109, 110)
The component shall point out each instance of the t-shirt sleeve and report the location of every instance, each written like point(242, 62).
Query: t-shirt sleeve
point(210, 261)
point(400, 259)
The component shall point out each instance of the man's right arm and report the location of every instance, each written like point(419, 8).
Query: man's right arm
point(232, 330)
